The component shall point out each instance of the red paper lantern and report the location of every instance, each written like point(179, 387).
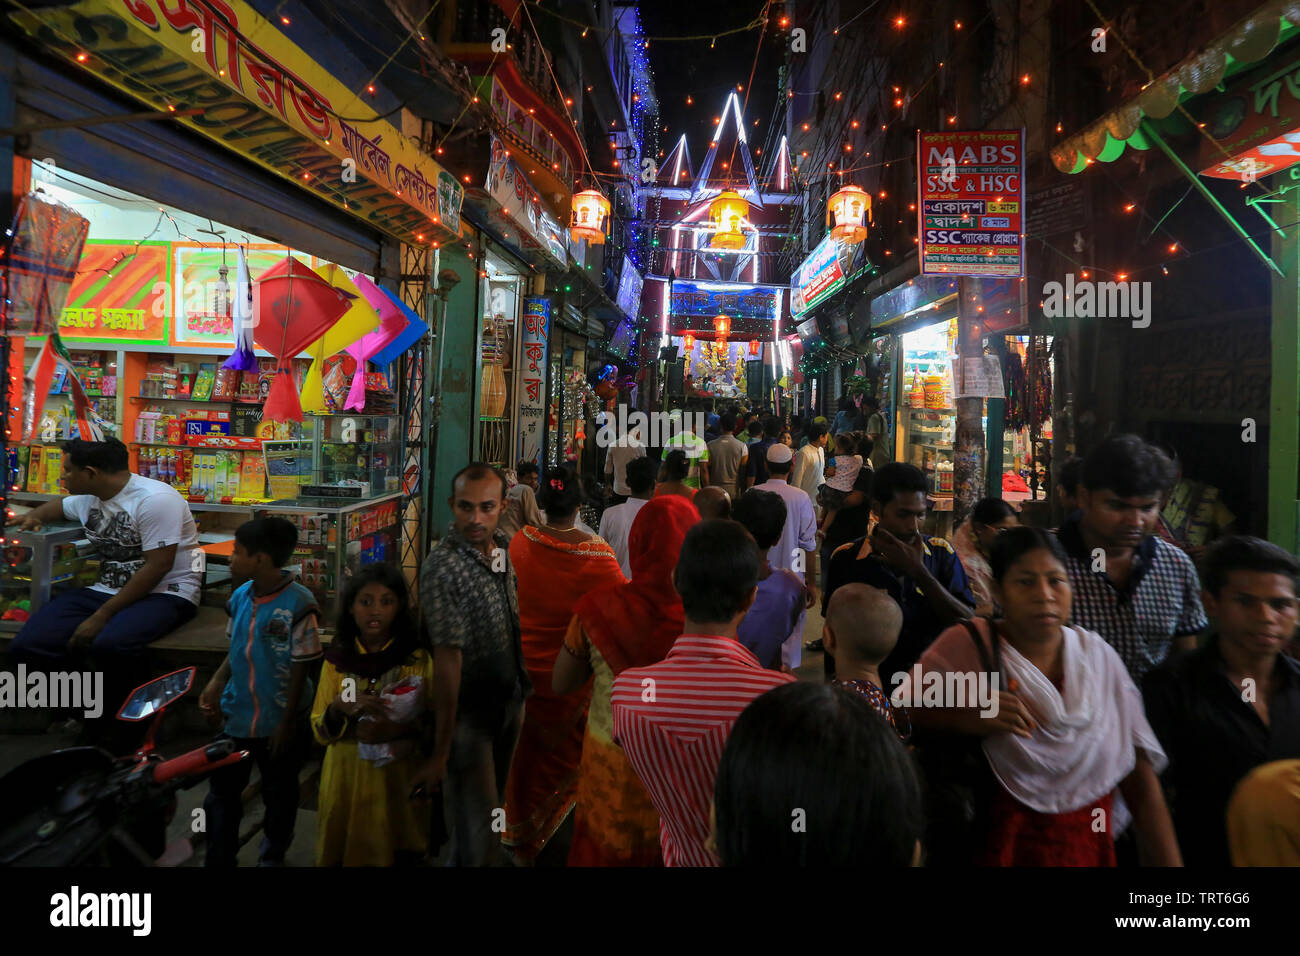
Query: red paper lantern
point(753, 346)
point(722, 325)
point(688, 343)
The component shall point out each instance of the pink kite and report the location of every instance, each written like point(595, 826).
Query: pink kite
point(392, 322)
point(292, 307)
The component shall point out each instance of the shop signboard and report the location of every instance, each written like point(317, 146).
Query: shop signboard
point(719, 298)
point(119, 293)
point(265, 99)
point(912, 296)
point(971, 202)
point(818, 277)
point(1253, 129)
point(536, 324)
point(522, 203)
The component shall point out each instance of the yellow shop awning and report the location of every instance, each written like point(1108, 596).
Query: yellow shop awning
point(1250, 41)
point(261, 96)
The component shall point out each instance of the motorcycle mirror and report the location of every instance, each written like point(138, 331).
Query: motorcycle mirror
point(147, 699)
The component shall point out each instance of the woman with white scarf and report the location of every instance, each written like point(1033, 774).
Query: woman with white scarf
point(1063, 727)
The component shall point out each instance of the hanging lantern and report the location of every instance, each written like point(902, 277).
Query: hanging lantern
point(728, 211)
point(722, 325)
point(847, 213)
point(589, 217)
point(688, 343)
point(753, 346)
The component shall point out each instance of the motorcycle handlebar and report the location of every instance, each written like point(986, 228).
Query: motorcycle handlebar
point(199, 760)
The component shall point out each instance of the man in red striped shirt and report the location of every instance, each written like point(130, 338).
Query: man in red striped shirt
point(672, 718)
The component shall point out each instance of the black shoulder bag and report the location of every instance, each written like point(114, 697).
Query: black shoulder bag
point(957, 781)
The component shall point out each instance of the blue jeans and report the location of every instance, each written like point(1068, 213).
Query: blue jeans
point(128, 633)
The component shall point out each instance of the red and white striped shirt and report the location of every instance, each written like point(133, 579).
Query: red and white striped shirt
point(672, 720)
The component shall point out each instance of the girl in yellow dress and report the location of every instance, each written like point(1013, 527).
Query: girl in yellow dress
point(366, 816)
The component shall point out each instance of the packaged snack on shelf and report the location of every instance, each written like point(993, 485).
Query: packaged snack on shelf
point(225, 385)
point(53, 470)
point(204, 381)
point(252, 476)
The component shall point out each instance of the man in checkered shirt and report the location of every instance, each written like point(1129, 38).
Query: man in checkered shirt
point(1137, 591)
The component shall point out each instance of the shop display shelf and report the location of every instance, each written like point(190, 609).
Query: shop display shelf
point(145, 399)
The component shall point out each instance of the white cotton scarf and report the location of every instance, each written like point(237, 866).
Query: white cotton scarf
point(1086, 740)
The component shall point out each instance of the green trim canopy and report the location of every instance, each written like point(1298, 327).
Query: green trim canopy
point(1250, 41)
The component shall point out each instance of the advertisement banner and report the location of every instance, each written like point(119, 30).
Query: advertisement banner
point(265, 99)
point(197, 270)
point(971, 202)
point(119, 293)
point(536, 325)
point(738, 301)
point(629, 290)
point(818, 277)
point(521, 202)
point(1253, 128)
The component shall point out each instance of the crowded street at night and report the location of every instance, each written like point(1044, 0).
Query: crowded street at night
point(628, 434)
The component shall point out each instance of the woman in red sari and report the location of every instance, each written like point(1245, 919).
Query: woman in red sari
point(556, 565)
point(620, 626)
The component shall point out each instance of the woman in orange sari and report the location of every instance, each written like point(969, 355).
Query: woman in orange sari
point(556, 564)
point(621, 626)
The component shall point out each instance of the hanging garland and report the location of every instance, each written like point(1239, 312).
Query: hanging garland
point(1041, 386)
point(1017, 388)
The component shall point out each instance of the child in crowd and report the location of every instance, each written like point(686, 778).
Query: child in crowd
point(841, 472)
point(371, 712)
point(262, 688)
point(862, 627)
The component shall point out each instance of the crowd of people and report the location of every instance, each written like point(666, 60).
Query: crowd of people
point(1014, 696)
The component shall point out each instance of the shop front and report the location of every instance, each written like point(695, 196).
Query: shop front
point(149, 313)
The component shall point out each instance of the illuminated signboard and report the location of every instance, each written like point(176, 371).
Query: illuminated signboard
point(971, 202)
point(820, 276)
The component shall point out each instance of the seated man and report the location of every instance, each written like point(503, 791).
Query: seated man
point(148, 574)
point(1234, 703)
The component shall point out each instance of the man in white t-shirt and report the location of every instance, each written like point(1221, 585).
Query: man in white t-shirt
point(810, 461)
point(149, 571)
point(627, 448)
point(616, 521)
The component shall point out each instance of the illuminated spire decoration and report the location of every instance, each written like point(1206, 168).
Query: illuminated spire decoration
point(751, 192)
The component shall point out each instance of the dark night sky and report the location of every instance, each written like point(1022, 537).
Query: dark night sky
point(690, 68)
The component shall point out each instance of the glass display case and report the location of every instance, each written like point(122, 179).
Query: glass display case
point(39, 564)
point(355, 450)
point(335, 539)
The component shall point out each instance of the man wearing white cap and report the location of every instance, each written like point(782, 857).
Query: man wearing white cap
point(797, 549)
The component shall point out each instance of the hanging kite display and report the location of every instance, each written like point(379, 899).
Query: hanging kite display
point(43, 257)
point(36, 386)
point(392, 322)
point(360, 319)
point(292, 307)
point(412, 333)
point(241, 316)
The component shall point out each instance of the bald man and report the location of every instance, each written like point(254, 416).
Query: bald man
point(862, 626)
point(712, 502)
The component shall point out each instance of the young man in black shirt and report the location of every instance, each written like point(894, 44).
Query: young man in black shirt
point(1233, 704)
